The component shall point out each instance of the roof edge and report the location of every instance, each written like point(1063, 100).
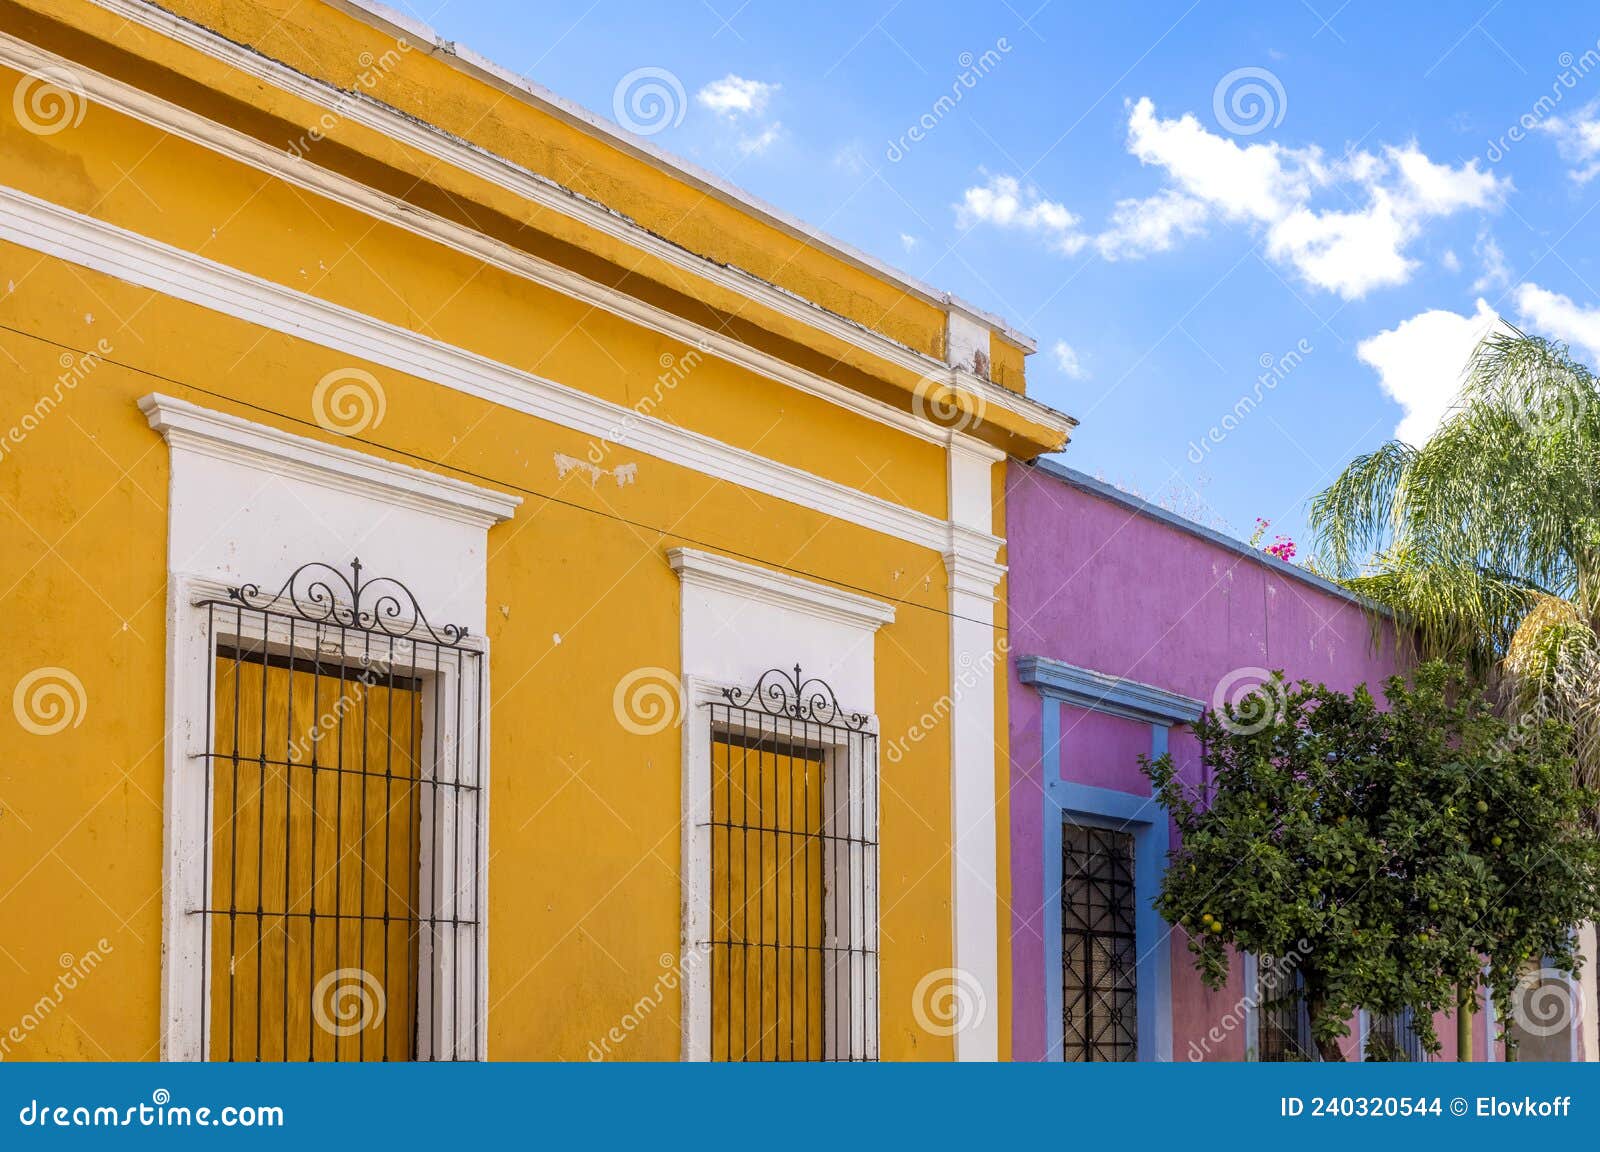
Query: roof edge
point(1084, 482)
point(474, 63)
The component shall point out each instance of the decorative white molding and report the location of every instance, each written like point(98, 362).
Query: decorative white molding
point(975, 808)
point(357, 108)
point(44, 227)
point(245, 149)
point(970, 565)
point(699, 569)
point(397, 24)
point(224, 437)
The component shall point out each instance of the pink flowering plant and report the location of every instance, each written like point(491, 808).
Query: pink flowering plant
point(1282, 547)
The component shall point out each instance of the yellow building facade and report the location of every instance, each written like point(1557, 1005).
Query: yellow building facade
point(400, 465)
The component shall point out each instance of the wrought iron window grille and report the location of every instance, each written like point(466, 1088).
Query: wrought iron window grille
point(1393, 1036)
point(344, 837)
point(793, 873)
point(1284, 1018)
point(1098, 944)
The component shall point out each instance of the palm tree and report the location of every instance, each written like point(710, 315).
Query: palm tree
point(1485, 541)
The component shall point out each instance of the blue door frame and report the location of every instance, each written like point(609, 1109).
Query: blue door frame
point(1143, 816)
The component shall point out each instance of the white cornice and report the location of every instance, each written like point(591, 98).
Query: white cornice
point(399, 25)
point(709, 570)
point(48, 228)
point(246, 149)
point(224, 437)
point(358, 108)
point(970, 562)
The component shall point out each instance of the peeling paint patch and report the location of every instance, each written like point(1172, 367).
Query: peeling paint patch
point(624, 474)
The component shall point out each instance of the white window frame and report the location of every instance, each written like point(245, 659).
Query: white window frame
point(699, 694)
point(195, 633)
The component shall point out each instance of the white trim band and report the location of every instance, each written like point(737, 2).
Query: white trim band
point(225, 437)
point(697, 569)
point(360, 109)
point(91, 243)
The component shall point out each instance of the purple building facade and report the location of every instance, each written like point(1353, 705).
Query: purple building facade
point(1125, 623)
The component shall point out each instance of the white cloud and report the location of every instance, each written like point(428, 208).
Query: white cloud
point(734, 96)
point(761, 141)
point(1345, 224)
point(1154, 224)
point(908, 241)
point(1358, 244)
point(1578, 140)
point(1553, 314)
point(1496, 272)
point(1451, 262)
point(1422, 361)
point(1067, 360)
point(1261, 182)
point(1005, 203)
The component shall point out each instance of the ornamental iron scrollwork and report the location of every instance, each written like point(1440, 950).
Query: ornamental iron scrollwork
point(322, 594)
point(795, 697)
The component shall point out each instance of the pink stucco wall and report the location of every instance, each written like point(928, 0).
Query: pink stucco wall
point(1099, 584)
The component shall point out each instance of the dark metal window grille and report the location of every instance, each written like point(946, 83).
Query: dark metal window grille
point(1099, 954)
point(1395, 1036)
point(794, 874)
point(344, 825)
point(1284, 1019)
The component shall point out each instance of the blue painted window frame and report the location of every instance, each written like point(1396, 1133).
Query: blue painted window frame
point(1059, 684)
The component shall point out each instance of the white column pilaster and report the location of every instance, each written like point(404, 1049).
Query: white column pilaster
point(973, 576)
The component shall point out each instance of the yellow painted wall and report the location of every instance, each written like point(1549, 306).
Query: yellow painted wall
point(584, 838)
point(430, 85)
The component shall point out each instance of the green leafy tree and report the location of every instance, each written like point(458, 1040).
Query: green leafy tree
point(1386, 853)
point(1485, 541)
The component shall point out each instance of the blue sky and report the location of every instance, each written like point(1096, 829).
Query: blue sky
point(1175, 200)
